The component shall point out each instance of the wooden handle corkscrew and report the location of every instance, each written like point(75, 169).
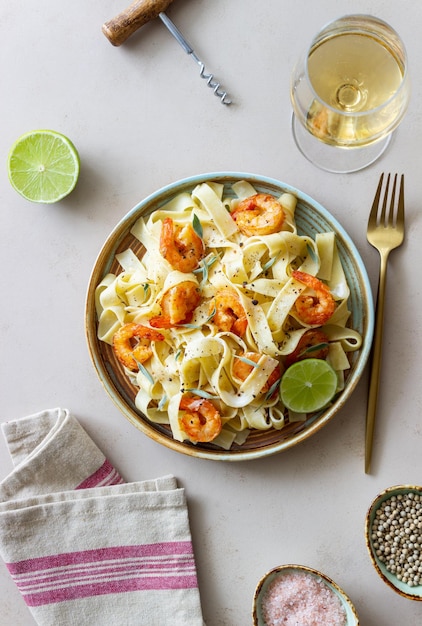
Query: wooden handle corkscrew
point(140, 12)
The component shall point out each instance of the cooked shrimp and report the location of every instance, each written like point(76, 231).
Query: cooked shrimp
point(242, 370)
point(132, 344)
point(180, 245)
point(200, 421)
point(260, 214)
point(317, 308)
point(229, 314)
point(318, 121)
point(177, 304)
point(312, 344)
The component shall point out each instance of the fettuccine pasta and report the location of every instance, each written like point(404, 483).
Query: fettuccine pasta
point(216, 311)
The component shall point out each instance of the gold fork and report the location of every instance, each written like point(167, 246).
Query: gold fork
point(385, 232)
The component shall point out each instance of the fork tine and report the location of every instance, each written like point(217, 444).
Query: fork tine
point(396, 216)
point(400, 209)
point(384, 201)
point(373, 215)
point(390, 220)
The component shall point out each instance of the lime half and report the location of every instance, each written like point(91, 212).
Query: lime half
point(43, 166)
point(308, 385)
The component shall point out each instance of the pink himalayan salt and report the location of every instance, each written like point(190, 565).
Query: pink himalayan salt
point(301, 599)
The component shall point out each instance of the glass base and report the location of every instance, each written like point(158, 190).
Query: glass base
point(332, 158)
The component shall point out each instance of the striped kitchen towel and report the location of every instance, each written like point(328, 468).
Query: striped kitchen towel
point(83, 546)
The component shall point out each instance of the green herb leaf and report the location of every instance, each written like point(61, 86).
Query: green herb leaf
point(212, 260)
point(203, 263)
point(203, 269)
point(202, 394)
point(269, 264)
point(311, 253)
point(272, 389)
point(200, 325)
point(197, 226)
point(211, 315)
point(193, 326)
point(314, 348)
point(245, 360)
point(145, 372)
point(162, 403)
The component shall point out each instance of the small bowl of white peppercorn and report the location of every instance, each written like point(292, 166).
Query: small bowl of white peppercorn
point(393, 532)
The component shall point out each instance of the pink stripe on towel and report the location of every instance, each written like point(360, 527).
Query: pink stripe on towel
point(104, 476)
point(72, 575)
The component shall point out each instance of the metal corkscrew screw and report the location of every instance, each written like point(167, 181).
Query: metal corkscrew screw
point(189, 50)
point(139, 13)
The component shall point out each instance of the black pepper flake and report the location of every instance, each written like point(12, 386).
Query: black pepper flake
point(255, 302)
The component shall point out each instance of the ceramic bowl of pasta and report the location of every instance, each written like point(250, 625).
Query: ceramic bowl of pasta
point(296, 594)
point(393, 533)
point(207, 294)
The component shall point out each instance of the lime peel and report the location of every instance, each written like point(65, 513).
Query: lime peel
point(43, 166)
point(308, 385)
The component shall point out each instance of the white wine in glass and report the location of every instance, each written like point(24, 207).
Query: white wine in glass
point(349, 92)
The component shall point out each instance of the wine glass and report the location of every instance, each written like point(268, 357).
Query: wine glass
point(349, 92)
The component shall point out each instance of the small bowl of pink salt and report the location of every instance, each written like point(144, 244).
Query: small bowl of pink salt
point(294, 594)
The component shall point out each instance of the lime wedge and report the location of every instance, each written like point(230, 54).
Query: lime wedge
point(43, 166)
point(308, 385)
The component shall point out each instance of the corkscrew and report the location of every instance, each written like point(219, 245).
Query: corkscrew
point(121, 27)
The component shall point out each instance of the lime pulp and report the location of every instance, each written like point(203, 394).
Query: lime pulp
point(308, 385)
point(43, 166)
